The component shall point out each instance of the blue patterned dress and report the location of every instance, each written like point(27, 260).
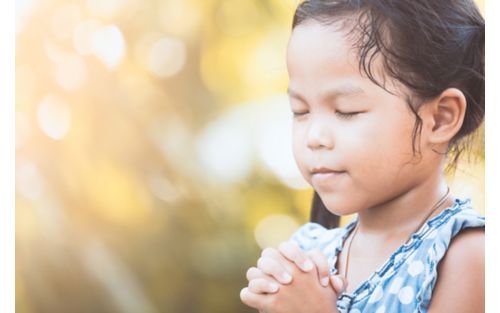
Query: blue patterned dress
point(405, 282)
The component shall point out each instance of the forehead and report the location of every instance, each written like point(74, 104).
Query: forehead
point(317, 44)
point(319, 53)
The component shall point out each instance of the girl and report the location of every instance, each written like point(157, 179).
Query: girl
point(383, 93)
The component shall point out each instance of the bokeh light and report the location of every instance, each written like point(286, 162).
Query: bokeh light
point(274, 229)
point(225, 147)
point(54, 117)
point(166, 57)
point(108, 45)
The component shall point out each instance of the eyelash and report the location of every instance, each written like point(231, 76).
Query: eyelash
point(343, 115)
point(346, 115)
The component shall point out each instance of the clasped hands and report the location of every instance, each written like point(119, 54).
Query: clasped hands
point(290, 280)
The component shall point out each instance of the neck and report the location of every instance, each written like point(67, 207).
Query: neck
point(406, 212)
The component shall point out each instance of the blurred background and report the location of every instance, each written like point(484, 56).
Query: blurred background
point(153, 153)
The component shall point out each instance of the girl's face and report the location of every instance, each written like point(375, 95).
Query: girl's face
point(346, 123)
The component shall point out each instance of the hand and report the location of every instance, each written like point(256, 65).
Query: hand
point(274, 263)
point(276, 271)
point(303, 295)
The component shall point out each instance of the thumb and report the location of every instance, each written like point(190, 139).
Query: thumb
point(339, 283)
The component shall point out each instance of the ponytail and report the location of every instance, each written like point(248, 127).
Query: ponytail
point(321, 215)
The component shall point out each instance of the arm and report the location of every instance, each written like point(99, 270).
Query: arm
point(460, 284)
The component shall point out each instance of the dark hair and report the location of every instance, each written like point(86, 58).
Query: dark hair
point(427, 45)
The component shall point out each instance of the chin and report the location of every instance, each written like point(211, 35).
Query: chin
point(339, 205)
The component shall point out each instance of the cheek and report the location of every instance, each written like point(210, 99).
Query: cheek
point(298, 149)
point(381, 152)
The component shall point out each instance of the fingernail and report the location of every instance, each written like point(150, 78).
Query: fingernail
point(273, 287)
point(307, 265)
point(324, 281)
point(286, 277)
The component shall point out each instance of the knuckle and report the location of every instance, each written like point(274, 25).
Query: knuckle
point(257, 285)
point(289, 250)
point(265, 265)
point(320, 261)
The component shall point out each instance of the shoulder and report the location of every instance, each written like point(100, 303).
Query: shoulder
point(468, 240)
point(460, 282)
point(466, 252)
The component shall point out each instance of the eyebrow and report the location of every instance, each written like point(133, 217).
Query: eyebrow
point(334, 92)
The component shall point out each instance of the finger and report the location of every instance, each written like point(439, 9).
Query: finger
point(251, 299)
point(262, 285)
point(275, 269)
point(339, 283)
point(319, 259)
point(292, 252)
point(253, 273)
point(278, 257)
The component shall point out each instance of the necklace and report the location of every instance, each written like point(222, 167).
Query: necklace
point(433, 209)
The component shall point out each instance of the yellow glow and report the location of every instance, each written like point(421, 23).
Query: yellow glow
point(274, 229)
point(26, 85)
point(70, 72)
point(222, 65)
point(302, 200)
point(65, 19)
point(23, 129)
point(480, 4)
point(468, 182)
point(82, 36)
point(106, 8)
point(186, 13)
point(260, 202)
point(115, 194)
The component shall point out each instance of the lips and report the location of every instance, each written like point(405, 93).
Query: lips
point(326, 178)
point(324, 170)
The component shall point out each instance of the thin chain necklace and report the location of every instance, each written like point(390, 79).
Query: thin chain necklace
point(434, 208)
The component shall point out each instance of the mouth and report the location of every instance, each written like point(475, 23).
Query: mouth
point(324, 170)
point(324, 178)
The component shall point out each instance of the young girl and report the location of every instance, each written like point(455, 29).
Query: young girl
point(383, 93)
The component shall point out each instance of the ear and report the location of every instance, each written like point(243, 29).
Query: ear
point(443, 116)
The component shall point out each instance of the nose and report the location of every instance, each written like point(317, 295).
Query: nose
point(319, 135)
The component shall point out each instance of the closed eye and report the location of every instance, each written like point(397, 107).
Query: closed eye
point(296, 114)
point(343, 115)
point(346, 115)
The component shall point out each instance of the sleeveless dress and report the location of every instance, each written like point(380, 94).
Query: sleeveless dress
point(404, 283)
